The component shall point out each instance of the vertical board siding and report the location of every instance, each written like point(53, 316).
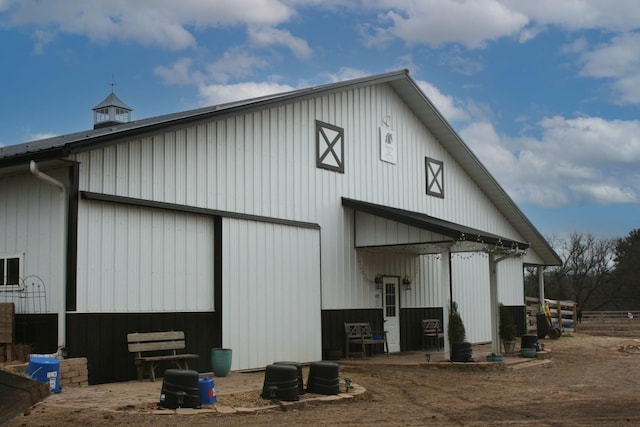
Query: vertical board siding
point(470, 276)
point(134, 259)
point(91, 333)
point(263, 163)
point(30, 218)
point(271, 293)
point(268, 157)
point(510, 281)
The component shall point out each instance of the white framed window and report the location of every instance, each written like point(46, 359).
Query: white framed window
point(10, 271)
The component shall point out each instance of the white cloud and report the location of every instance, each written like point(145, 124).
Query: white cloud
point(450, 108)
point(459, 62)
point(268, 36)
point(604, 194)
point(585, 159)
point(179, 73)
point(234, 63)
point(345, 73)
point(619, 61)
point(438, 22)
point(220, 94)
point(619, 15)
point(163, 23)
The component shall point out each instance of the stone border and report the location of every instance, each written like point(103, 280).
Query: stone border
point(355, 390)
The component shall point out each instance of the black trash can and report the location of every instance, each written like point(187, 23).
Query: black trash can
point(299, 368)
point(324, 378)
point(280, 382)
point(542, 325)
point(180, 389)
point(529, 341)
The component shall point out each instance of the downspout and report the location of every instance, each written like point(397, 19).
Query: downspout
point(62, 320)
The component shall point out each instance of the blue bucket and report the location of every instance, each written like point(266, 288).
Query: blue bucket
point(207, 391)
point(46, 370)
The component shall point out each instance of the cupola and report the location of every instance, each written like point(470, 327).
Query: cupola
point(111, 111)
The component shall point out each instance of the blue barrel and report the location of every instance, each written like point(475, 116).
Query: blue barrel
point(207, 391)
point(46, 370)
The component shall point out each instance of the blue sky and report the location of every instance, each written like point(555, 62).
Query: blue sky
point(546, 92)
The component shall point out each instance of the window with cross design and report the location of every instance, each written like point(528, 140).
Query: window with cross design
point(329, 147)
point(435, 177)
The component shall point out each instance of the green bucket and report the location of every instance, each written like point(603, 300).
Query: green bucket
point(221, 361)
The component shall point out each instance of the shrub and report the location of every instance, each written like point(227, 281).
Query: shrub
point(507, 325)
point(456, 331)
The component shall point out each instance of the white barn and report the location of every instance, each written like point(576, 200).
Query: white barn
point(260, 226)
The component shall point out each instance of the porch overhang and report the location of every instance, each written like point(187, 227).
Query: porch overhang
point(423, 234)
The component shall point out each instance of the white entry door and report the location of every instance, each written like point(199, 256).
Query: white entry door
point(391, 312)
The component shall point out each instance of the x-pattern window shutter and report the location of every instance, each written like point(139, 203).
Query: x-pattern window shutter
point(435, 177)
point(329, 147)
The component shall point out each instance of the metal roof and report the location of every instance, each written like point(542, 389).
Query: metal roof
point(112, 101)
point(400, 81)
point(457, 232)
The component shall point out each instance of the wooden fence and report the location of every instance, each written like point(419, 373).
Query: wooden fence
point(611, 316)
point(611, 323)
point(563, 314)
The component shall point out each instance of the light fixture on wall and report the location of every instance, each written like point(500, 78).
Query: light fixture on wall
point(378, 281)
point(406, 281)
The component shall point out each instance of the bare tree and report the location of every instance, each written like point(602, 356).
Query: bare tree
point(585, 275)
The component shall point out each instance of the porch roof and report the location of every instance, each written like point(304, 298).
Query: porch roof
point(450, 232)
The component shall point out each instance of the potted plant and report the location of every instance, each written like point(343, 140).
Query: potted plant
point(507, 330)
point(460, 349)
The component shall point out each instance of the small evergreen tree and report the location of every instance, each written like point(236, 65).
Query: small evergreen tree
point(455, 331)
point(507, 325)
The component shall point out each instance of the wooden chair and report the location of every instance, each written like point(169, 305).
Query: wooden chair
point(431, 328)
point(360, 334)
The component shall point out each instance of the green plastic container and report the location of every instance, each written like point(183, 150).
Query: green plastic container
point(221, 361)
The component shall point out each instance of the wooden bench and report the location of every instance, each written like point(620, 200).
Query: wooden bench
point(150, 348)
point(431, 328)
point(361, 334)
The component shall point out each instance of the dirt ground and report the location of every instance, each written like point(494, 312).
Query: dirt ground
point(588, 381)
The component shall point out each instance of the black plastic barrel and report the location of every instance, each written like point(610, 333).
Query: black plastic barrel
point(461, 352)
point(280, 382)
point(541, 325)
point(180, 389)
point(299, 369)
point(529, 341)
point(324, 378)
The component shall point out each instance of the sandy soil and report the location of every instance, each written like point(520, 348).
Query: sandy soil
point(589, 381)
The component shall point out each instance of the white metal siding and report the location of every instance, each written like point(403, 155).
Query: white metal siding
point(30, 219)
point(511, 281)
point(470, 276)
point(372, 230)
point(271, 293)
point(268, 157)
point(135, 259)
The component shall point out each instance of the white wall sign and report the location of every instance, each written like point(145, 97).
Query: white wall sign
point(388, 146)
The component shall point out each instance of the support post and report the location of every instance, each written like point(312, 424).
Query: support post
point(445, 286)
point(541, 286)
point(493, 296)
